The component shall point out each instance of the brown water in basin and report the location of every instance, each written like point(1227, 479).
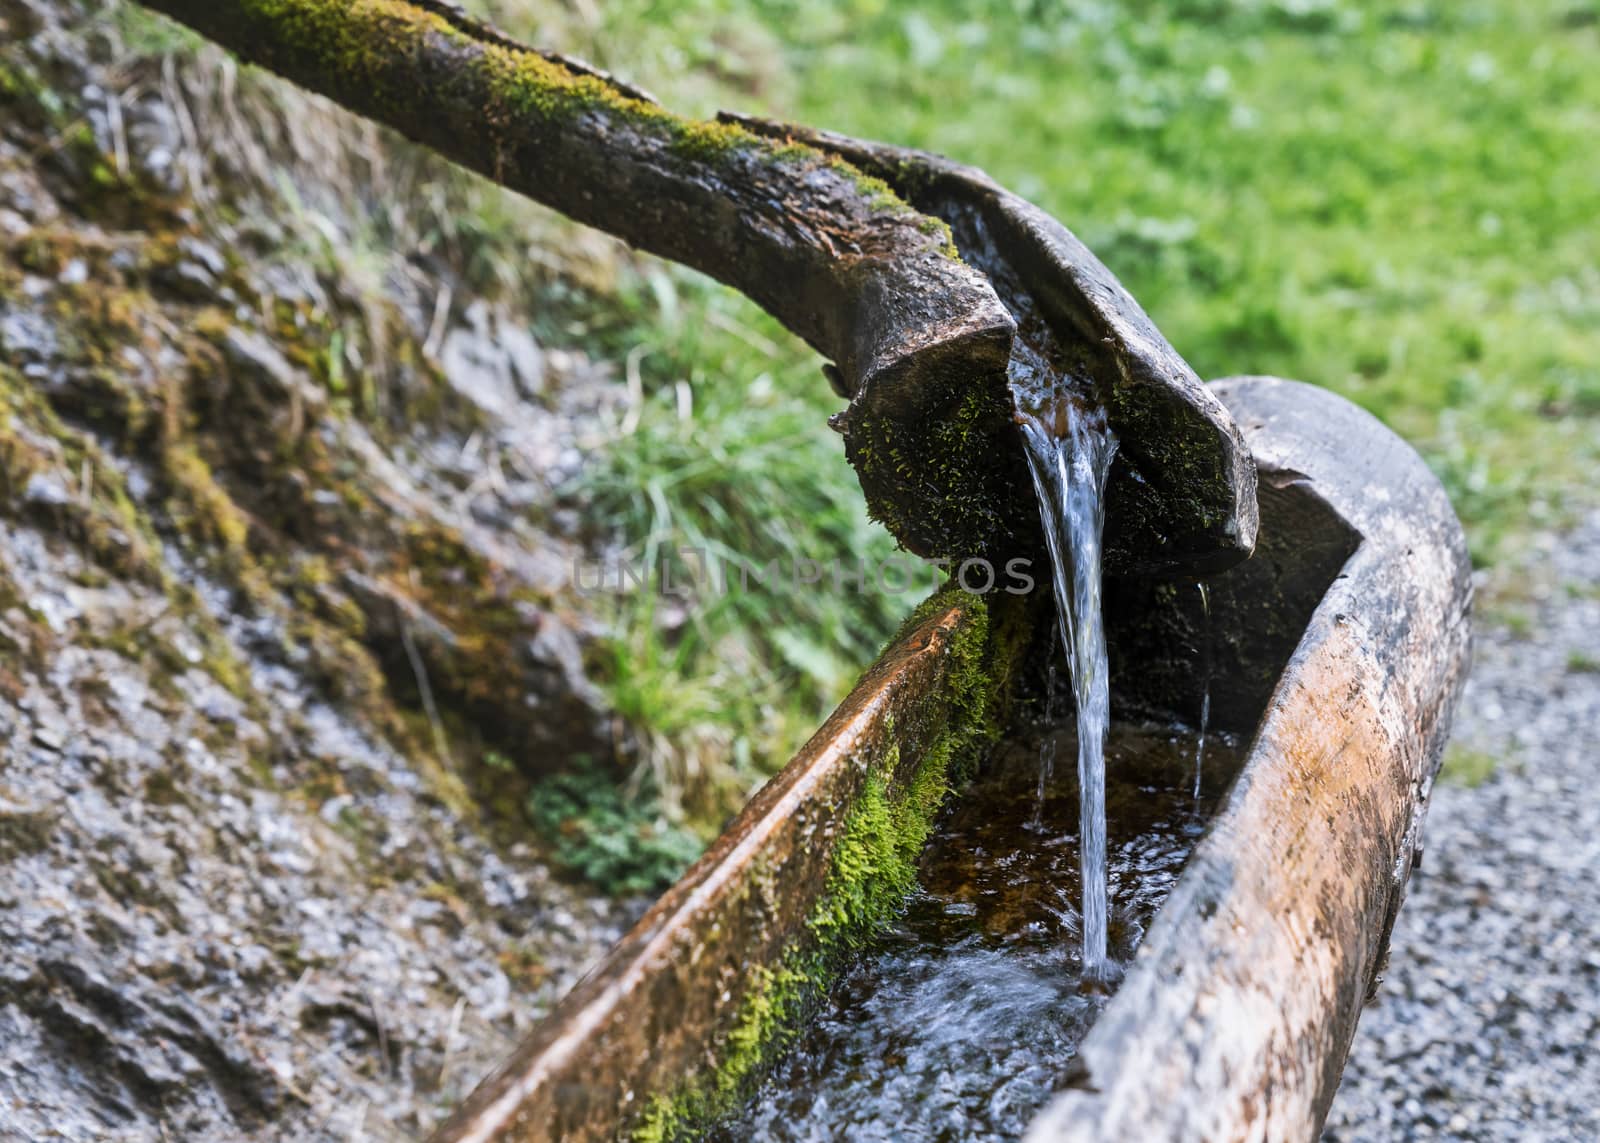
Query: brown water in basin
point(960, 1023)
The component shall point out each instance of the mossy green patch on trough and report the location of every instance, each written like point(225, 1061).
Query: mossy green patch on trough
point(872, 870)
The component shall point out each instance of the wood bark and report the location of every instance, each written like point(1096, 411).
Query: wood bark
point(846, 266)
point(918, 337)
point(1182, 493)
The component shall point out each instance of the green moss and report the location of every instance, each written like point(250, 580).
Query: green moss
point(770, 1010)
point(874, 864)
point(530, 84)
point(939, 228)
point(928, 476)
point(362, 52)
point(872, 870)
point(707, 139)
point(355, 43)
point(104, 523)
point(212, 515)
point(879, 194)
point(21, 85)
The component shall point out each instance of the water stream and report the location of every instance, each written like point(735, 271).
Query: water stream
point(1205, 684)
point(962, 1020)
point(959, 1023)
point(1047, 747)
point(1069, 448)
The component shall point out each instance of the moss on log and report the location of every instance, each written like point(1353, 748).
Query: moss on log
point(818, 230)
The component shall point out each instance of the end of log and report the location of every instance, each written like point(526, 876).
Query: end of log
point(943, 466)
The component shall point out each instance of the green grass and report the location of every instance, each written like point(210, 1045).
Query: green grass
point(610, 836)
point(1393, 201)
point(726, 453)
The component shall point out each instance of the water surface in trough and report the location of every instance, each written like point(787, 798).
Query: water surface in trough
point(961, 1021)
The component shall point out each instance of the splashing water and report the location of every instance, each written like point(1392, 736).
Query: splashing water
point(1205, 684)
point(1069, 449)
point(960, 1020)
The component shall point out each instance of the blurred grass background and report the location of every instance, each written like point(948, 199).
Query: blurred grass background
point(1393, 200)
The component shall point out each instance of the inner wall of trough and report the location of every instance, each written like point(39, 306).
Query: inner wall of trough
point(1162, 646)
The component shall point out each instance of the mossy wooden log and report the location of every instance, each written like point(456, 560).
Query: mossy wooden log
point(918, 336)
point(836, 256)
point(677, 1022)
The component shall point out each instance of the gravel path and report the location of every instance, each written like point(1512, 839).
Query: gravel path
point(1488, 1024)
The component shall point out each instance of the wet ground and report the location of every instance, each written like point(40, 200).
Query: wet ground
point(279, 571)
point(962, 1021)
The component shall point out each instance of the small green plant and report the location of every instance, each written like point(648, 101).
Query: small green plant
point(726, 453)
point(619, 840)
point(495, 760)
point(1464, 766)
point(1583, 663)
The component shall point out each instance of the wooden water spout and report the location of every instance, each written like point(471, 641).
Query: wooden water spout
point(1342, 646)
point(917, 335)
point(1182, 497)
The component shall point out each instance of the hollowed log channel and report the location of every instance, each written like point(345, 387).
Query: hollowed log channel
point(1181, 498)
point(848, 244)
point(1338, 653)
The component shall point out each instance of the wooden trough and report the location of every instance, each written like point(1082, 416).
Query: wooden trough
point(1339, 652)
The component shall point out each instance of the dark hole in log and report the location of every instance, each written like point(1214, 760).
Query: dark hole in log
point(1157, 632)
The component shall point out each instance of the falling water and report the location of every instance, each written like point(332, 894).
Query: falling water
point(1069, 450)
point(1205, 684)
point(959, 1021)
point(1047, 745)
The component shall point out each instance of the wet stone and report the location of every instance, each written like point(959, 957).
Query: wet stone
point(240, 896)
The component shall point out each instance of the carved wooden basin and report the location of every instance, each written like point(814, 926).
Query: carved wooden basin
point(1340, 649)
